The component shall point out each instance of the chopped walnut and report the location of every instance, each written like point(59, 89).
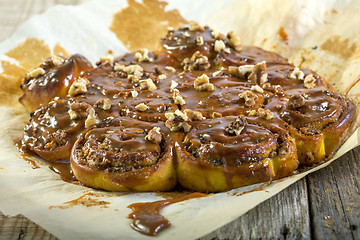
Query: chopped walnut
point(241, 71)
point(176, 121)
point(234, 41)
point(57, 60)
point(34, 73)
point(252, 113)
point(73, 114)
point(265, 113)
point(143, 56)
point(148, 84)
point(186, 34)
point(105, 104)
point(196, 62)
point(134, 93)
point(162, 76)
point(193, 115)
point(216, 115)
point(91, 119)
point(217, 35)
point(135, 70)
point(295, 101)
point(78, 86)
point(142, 107)
point(219, 45)
point(235, 128)
point(259, 73)
point(106, 60)
point(202, 83)
point(217, 73)
point(178, 99)
point(119, 67)
point(249, 97)
point(173, 84)
point(154, 135)
point(296, 74)
point(257, 88)
point(310, 81)
point(133, 78)
point(199, 41)
point(170, 69)
point(193, 26)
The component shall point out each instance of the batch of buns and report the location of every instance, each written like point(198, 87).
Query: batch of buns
point(202, 111)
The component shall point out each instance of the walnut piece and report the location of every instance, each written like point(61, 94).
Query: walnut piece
point(249, 97)
point(106, 60)
point(104, 104)
point(216, 115)
point(202, 83)
point(193, 26)
point(176, 121)
point(196, 62)
point(265, 113)
point(193, 115)
point(147, 84)
point(170, 69)
point(296, 74)
point(134, 93)
point(143, 56)
point(78, 86)
point(154, 135)
point(310, 81)
point(178, 99)
point(199, 41)
point(234, 41)
point(135, 70)
point(257, 88)
point(142, 107)
point(295, 101)
point(219, 46)
point(258, 74)
point(235, 128)
point(173, 84)
point(57, 60)
point(162, 76)
point(91, 119)
point(34, 73)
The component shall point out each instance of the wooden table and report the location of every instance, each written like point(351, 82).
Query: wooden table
point(324, 205)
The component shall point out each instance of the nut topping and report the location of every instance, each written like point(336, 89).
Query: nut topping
point(295, 101)
point(148, 84)
point(143, 56)
point(202, 83)
point(193, 26)
point(176, 121)
point(78, 87)
point(296, 74)
point(219, 45)
point(106, 60)
point(173, 85)
point(310, 81)
point(196, 62)
point(154, 135)
point(193, 115)
point(199, 41)
point(235, 128)
point(234, 41)
point(105, 104)
point(178, 99)
point(142, 107)
point(265, 113)
point(134, 93)
point(249, 97)
point(57, 60)
point(259, 73)
point(257, 88)
point(91, 119)
point(34, 73)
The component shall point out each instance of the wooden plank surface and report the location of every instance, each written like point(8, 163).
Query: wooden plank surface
point(325, 205)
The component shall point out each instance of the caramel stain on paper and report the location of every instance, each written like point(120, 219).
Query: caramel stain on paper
point(140, 25)
point(284, 36)
point(84, 200)
point(27, 158)
point(28, 54)
point(341, 48)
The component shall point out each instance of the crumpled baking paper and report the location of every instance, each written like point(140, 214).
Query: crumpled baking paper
point(321, 35)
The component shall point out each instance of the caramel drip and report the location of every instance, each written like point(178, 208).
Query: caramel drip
point(147, 218)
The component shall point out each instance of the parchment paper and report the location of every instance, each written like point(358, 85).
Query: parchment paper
point(322, 35)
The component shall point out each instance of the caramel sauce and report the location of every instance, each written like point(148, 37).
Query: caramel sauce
point(283, 34)
point(26, 157)
point(64, 170)
point(84, 200)
point(242, 193)
point(147, 218)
